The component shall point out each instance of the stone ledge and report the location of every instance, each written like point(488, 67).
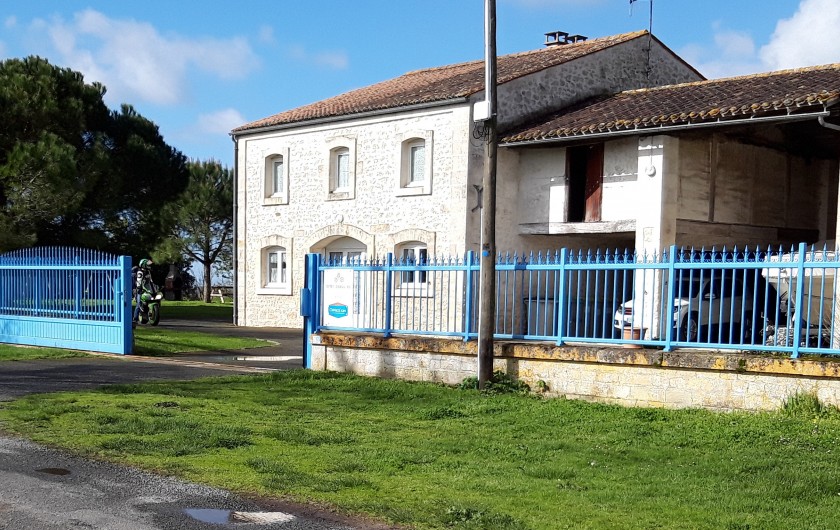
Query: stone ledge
point(733, 361)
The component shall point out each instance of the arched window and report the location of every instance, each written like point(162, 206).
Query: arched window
point(341, 169)
point(413, 253)
point(275, 269)
point(344, 250)
point(276, 178)
point(277, 185)
point(415, 163)
point(341, 173)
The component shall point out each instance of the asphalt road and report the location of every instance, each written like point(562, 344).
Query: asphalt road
point(46, 489)
point(43, 488)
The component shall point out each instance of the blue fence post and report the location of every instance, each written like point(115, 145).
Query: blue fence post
point(310, 304)
point(666, 316)
point(40, 281)
point(122, 305)
point(800, 295)
point(389, 287)
point(77, 290)
point(468, 294)
point(561, 296)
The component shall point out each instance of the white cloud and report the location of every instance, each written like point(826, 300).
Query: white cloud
point(715, 63)
point(733, 53)
point(135, 61)
point(219, 122)
point(334, 60)
point(805, 39)
point(736, 45)
point(266, 34)
point(10, 22)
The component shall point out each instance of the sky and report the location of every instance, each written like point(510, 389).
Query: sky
point(200, 68)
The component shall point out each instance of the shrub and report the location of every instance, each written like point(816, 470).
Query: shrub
point(500, 383)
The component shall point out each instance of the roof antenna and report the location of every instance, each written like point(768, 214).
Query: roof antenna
point(650, 38)
point(650, 19)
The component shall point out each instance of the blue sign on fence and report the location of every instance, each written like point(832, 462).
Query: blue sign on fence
point(337, 310)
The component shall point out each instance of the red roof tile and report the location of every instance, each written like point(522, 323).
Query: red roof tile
point(444, 83)
point(717, 100)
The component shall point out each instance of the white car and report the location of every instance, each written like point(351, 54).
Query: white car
point(817, 286)
point(709, 305)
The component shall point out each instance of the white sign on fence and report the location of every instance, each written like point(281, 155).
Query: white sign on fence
point(343, 291)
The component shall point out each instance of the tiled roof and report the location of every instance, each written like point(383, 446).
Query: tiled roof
point(438, 84)
point(775, 93)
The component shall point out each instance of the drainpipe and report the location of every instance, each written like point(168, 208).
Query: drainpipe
point(235, 236)
point(821, 120)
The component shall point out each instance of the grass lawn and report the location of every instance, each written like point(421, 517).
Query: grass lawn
point(192, 310)
point(436, 457)
point(9, 352)
point(154, 341)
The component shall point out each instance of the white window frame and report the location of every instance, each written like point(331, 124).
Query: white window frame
point(413, 283)
point(271, 195)
point(277, 176)
point(339, 147)
point(408, 185)
point(341, 169)
point(415, 177)
point(281, 257)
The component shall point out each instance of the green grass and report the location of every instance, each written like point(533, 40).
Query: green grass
point(9, 352)
point(189, 310)
point(436, 457)
point(154, 341)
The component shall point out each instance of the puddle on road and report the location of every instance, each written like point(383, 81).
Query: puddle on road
point(207, 515)
point(54, 471)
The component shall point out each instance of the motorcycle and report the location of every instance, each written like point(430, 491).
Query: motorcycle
point(150, 306)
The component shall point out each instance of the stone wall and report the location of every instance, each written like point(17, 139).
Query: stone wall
point(621, 67)
point(631, 377)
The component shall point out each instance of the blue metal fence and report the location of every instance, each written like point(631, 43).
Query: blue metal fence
point(777, 300)
point(66, 297)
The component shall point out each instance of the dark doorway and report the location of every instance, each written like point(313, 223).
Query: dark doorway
point(585, 170)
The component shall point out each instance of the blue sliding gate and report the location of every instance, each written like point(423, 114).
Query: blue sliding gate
point(66, 298)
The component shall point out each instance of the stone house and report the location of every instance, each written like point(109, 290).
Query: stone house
point(608, 142)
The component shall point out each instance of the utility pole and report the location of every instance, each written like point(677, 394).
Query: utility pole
point(487, 279)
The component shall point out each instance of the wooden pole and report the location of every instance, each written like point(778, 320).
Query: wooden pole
point(487, 280)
